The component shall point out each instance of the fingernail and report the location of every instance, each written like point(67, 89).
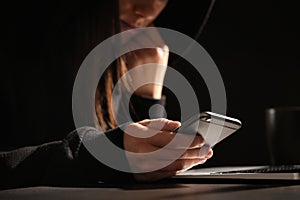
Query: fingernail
point(179, 123)
point(204, 150)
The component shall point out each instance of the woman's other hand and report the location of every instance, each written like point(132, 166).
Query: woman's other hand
point(156, 60)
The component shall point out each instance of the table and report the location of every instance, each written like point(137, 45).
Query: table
point(164, 190)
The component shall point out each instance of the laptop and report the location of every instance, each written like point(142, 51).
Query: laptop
point(229, 126)
point(282, 172)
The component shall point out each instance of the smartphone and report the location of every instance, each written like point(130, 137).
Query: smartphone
point(213, 127)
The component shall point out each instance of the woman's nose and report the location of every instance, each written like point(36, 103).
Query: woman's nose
point(146, 8)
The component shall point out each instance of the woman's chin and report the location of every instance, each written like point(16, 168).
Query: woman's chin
point(126, 37)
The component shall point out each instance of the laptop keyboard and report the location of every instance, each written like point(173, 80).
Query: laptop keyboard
point(268, 169)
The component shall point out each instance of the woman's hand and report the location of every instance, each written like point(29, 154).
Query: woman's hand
point(157, 60)
point(188, 157)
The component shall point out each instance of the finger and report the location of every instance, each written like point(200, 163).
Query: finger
point(197, 142)
point(183, 164)
point(196, 154)
point(139, 130)
point(170, 154)
point(182, 141)
point(166, 161)
point(205, 150)
point(193, 154)
point(144, 122)
point(167, 154)
point(210, 154)
point(147, 164)
point(160, 124)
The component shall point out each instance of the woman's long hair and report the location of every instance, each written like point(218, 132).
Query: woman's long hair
point(76, 28)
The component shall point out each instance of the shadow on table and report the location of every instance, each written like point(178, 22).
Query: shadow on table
point(173, 183)
point(186, 183)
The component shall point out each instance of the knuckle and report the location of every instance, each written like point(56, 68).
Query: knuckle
point(180, 164)
point(184, 155)
point(165, 48)
point(199, 141)
point(158, 52)
point(153, 52)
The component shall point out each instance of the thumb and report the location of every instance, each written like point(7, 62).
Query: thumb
point(162, 124)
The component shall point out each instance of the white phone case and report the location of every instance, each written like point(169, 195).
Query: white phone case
point(211, 126)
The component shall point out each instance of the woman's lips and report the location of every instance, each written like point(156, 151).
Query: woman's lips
point(128, 25)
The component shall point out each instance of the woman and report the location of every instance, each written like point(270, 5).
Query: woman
point(64, 36)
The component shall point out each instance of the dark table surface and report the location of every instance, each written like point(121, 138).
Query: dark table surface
point(175, 189)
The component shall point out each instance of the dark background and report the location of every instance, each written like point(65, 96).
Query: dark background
point(255, 45)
